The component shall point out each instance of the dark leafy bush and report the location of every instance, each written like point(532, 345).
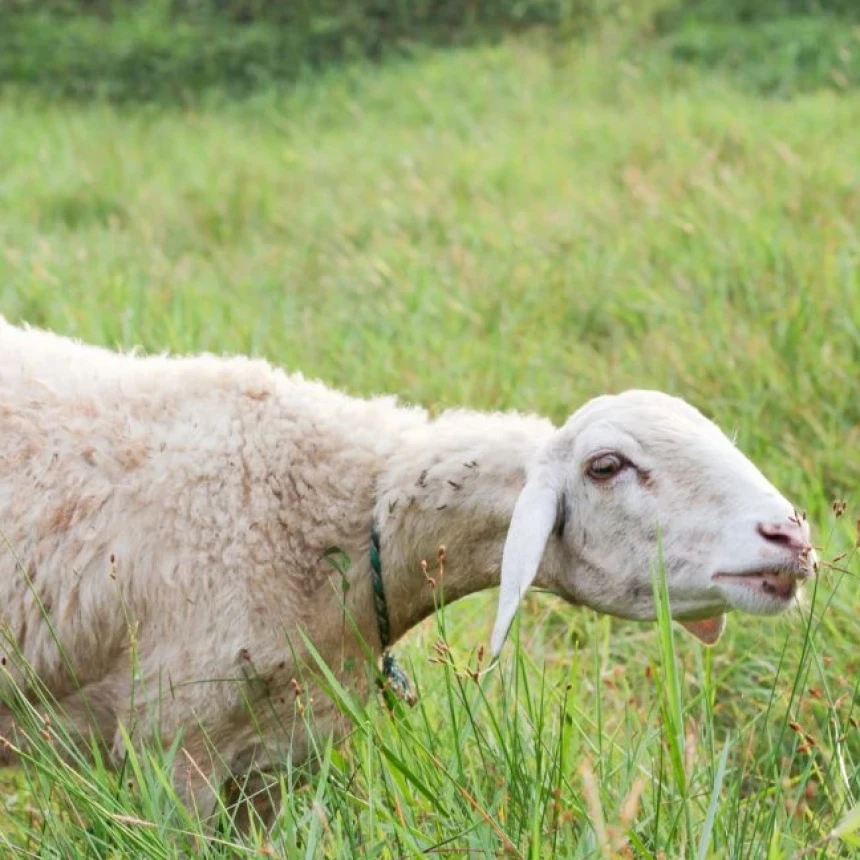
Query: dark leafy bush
point(776, 47)
point(172, 50)
point(126, 50)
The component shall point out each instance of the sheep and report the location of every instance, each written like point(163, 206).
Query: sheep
point(186, 508)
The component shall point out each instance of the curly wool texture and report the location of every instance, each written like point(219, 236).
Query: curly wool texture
point(196, 497)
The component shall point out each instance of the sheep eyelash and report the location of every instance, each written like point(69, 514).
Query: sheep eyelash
point(625, 463)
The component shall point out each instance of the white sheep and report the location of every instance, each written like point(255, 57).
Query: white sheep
point(184, 508)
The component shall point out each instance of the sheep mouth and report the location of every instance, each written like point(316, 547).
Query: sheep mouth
point(779, 583)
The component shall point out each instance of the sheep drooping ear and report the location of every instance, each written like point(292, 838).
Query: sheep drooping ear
point(534, 517)
point(706, 630)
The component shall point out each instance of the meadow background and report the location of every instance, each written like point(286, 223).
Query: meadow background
point(503, 205)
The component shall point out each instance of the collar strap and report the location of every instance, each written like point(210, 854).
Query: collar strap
point(379, 601)
point(395, 682)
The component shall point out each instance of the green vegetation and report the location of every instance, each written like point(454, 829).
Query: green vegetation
point(180, 50)
point(126, 50)
point(776, 47)
point(520, 223)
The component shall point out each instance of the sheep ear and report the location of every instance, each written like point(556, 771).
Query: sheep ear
point(706, 630)
point(534, 517)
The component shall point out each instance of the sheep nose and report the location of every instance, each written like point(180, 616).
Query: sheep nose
point(791, 534)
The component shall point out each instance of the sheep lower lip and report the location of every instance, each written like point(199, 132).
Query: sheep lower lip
point(773, 582)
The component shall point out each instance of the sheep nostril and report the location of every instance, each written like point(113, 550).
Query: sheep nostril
point(787, 535)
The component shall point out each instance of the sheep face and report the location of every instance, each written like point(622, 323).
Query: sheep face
point(638, 478)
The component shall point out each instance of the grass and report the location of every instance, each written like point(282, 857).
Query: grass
point(513, 226)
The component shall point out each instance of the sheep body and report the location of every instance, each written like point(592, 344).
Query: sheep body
point(181, 507)
point(166, 524)
point(163, 490)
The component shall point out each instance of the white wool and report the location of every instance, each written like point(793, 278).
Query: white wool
point(197, 499)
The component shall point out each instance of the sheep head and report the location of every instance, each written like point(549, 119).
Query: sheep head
point(639, 479)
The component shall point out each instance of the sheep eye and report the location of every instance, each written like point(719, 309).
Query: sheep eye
point(606, 466)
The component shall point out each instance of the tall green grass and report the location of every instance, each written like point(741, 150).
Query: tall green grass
point(503, 227)
point(525, 760)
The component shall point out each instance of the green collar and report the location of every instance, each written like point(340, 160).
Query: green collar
point(394, 680)
point(379, 601)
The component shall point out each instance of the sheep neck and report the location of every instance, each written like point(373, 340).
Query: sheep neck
point(454, 487)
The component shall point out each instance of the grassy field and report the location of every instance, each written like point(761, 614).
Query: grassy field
point(512, 226)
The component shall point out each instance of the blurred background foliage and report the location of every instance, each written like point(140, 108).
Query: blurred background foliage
point(176, 50)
